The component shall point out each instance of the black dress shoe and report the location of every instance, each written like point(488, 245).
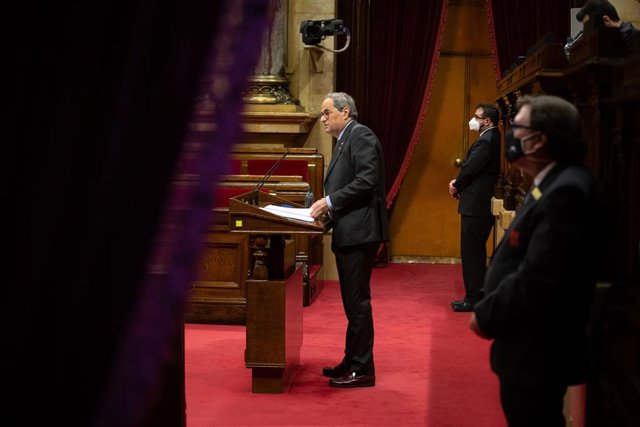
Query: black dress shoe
point(354, 379)
point(339, 370)
point(462, 306)
point(457, 302)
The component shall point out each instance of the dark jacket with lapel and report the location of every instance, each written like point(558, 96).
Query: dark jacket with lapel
point(540, 283)
point(478, 175)
point(355, 185)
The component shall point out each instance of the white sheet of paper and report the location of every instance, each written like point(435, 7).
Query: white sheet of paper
point(301, 214)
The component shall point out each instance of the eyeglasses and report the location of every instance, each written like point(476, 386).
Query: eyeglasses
point(475, 116)
point(517, 126)
point(326, 113)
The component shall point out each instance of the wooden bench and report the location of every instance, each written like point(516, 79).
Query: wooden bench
point(218, 295)
point(304, 162)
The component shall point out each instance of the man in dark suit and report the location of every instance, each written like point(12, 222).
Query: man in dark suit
point(473, 187)
point(355, 202)
point(601, 13)
point(541, 280)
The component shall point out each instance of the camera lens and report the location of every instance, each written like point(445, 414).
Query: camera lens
point(314, 31)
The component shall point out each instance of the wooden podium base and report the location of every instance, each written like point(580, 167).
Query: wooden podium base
point(272, 380)
point(274, 292)
point(274, 332)
point(313, 287)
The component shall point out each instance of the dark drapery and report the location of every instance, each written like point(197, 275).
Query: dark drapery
point(101, 246)
point(390, 71)
point(517, 25)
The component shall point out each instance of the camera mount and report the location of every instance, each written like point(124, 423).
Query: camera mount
point(313, 32)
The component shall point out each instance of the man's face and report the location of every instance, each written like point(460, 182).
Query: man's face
point(332, 119)
point(482, 119)
point(521, 126)
point(522, 122)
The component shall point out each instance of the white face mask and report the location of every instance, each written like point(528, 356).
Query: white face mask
point(474, 124)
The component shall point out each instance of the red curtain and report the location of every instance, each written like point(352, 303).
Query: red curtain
point(517, 25)
point(389, 70)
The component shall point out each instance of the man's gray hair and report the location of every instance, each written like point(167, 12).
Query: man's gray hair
point(341, 100)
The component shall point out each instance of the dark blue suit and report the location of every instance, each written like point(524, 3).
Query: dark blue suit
point(354, 184)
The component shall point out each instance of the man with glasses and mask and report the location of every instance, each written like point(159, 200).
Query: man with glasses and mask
point(473, 187)
point(540, 284)
point(355, 202)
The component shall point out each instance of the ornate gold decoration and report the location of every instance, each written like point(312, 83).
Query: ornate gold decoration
point(268, 90)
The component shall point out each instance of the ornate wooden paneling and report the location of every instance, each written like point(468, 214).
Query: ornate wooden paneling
point(613, 392)
point(541, 72)
point(218, 294)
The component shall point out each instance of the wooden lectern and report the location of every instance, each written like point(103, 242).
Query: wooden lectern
point(274, 290)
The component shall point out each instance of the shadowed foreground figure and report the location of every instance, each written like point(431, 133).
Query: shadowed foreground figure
point(540, 284)
point(101, 252)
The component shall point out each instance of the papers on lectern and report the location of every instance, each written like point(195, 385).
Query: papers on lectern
point(301, 214)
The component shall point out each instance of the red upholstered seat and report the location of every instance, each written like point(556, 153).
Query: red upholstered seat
point(235, 167)
point(286, 167)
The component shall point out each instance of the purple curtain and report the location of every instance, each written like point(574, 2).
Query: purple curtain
point(517, 25)
point(101, 246)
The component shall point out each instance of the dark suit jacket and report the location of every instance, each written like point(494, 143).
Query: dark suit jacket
point(540, 283)
point(478, 175)
point(631, 36)
point(355, 185)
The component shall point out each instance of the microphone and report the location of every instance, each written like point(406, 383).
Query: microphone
point(254, 194)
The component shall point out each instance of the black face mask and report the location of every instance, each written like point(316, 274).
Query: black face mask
point(513, 147)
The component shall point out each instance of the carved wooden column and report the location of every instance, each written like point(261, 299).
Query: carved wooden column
point(273, 117)
point(268, 84)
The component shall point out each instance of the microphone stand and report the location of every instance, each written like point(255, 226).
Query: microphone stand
point(254, 194)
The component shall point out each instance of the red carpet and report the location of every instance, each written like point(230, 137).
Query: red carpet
point(430, 369)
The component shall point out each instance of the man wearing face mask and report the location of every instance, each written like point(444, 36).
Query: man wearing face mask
point(473, 187)
point(601, 13)
point(539, 286)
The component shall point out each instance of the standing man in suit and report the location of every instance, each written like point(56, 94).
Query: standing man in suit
point(541, 281)
point(355, 202)
point(601, 13)
point(473, 187)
